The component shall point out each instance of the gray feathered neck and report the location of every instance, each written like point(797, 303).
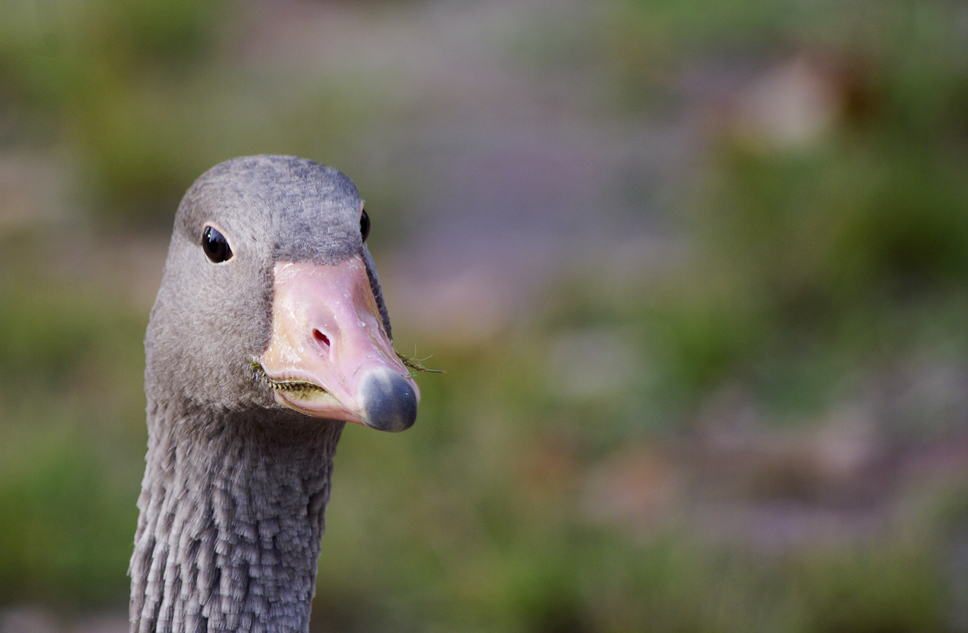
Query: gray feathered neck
point(231, 520)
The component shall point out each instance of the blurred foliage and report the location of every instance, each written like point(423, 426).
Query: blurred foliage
point(70, 433)
point(146, 99)
point(811, 264)
point(66, 531)
point(835, 249)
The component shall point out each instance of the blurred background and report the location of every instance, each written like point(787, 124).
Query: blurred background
point(697, 271)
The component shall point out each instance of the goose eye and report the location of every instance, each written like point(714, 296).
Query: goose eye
point(364, 224)
point(215, 245)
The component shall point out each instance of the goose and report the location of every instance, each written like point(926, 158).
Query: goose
point(269, 332)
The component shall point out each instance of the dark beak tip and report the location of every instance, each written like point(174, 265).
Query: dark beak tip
point(389, 402)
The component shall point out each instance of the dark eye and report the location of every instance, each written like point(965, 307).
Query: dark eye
point(364, 224)
point(215, 245)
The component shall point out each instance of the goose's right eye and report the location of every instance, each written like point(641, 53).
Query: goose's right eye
point(215, 245)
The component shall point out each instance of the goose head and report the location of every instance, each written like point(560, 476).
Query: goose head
point(270, 302)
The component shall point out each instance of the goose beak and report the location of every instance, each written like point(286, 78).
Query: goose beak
point(329, 355)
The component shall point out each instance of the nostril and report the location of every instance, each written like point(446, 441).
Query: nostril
point(322, 339)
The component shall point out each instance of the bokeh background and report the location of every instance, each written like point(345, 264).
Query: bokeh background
point(697, 271)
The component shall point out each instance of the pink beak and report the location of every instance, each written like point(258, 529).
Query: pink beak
point(329, 355)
